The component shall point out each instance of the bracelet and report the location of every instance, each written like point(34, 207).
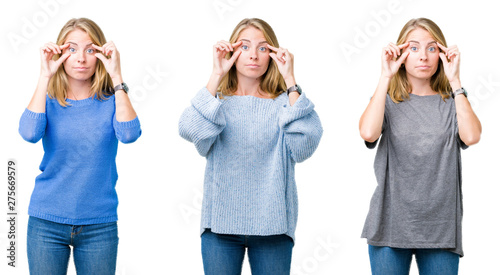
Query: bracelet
point(459, 92)
point(294, 88)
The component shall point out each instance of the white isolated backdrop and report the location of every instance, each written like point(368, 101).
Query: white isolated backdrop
point(166, 57)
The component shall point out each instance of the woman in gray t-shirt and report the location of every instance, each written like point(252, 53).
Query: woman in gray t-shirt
point(422, 116)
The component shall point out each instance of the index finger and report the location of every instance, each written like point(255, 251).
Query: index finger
point(234, 45)
point(64, 46)
point(442, 47)
point(97, 47)
point(274, 49)
point(402, 46)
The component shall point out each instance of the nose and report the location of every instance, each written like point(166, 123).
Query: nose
point(80, 57)
point(423, 55)
point(253, 54)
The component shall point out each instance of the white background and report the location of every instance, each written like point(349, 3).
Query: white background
point(166, 57)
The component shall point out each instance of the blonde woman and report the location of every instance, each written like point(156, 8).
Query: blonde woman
point(80, 109)
point(253, 123)
point(424, 117)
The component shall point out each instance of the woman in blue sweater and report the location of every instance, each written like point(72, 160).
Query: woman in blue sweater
point(80, 109)
point(253, 123)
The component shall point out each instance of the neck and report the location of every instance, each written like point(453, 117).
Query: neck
point(420, 86)
point(79, 89)
point(250, 86)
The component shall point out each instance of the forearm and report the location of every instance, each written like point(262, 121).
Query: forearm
point(370, 123)
point(124, 109)
point(469, 126)
point(37, 103)
point(293, 96)
point(213, 83)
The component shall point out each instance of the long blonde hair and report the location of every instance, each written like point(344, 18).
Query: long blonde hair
point(400, 87)
point(102, 86)
point(272, 82)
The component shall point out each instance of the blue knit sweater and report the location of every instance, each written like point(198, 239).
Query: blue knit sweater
point(251, 145)
point(77, 183)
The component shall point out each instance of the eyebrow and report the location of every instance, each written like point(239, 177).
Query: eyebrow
point(414, 41)
point(261, 42)
point(69, 42)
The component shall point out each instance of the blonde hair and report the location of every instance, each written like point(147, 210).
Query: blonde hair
point(102, 84)
point(400, 87)
point(272, 82)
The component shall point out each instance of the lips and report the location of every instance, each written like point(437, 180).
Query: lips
point(423, 67)
point(252, 66)
point(81, 69)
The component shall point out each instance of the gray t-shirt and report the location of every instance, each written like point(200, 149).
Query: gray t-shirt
point(418, 200)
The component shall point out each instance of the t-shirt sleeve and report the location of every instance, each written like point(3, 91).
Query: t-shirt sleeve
point(371, 145)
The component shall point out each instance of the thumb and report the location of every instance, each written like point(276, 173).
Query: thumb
point(274, 57)
point(62, 59)
point(101, 57)
point(443, 58)
point(234, 57)
point(402, 58)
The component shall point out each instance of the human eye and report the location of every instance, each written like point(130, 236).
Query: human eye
point(432, 49)
point(262, 49)
point(413, 48)
point(90, 51)
point(72, 50)
point(244, 47)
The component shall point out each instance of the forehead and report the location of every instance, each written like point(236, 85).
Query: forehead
point(78, 35)
point(420, 35)
point(252, 33)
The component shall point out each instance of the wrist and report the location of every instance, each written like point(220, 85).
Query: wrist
point(455, 85)
point(117, 80)
point(290, 81)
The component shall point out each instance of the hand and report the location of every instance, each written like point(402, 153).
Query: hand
point(451, 62)
point(111, 64)
point(284, 61)
point(50, 66)
point(390, 61)
point(221, 64)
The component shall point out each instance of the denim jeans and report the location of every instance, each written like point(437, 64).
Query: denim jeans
point(396, 261)
point(223, 254)
point(95, 247)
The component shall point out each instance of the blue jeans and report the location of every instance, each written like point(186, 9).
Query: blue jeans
point(223, 254)
point(396, 261)
point(94, 247)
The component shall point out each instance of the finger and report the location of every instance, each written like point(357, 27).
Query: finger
point(443, 58)
point(97, 47)
point(274, 49)
point(275, 58)
point(63, 47)
point(101, 57)
point(403, 58)
point(52, 48)
point(226, 45)
point(443, 48)
point(402, 46)
point(237, 44)
point(62, 59)
point(234, 57)
point(395, 51)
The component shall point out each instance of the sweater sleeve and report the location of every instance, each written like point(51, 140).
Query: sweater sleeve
point(32, 126)
point(202, 122)
point(127, 131)
point(302, 128)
